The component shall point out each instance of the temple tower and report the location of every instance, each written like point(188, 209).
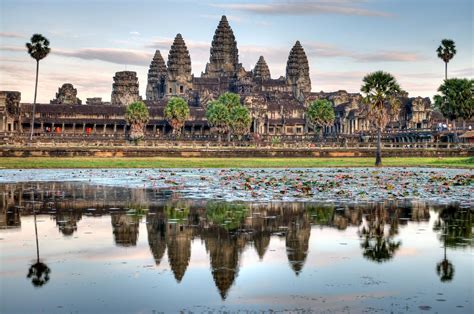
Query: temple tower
point(261, 70)
point(297, 71)
point(66, 95)
point(125, 88)
point(224, 59)
point(157, 74)
point(179, 68)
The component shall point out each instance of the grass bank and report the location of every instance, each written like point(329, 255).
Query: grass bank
point(162, 162)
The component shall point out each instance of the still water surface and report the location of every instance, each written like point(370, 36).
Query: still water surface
point(112, 249)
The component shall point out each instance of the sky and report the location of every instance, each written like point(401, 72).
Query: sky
point(343, 39)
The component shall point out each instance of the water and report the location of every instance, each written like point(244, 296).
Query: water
point(128, 248)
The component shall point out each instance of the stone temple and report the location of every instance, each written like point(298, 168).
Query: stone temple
point(277, 105)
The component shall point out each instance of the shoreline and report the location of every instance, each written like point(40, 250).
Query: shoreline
point(226, 163)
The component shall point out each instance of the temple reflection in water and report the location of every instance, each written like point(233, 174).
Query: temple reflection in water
point(228, 229)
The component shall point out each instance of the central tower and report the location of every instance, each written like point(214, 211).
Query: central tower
point(224, 60)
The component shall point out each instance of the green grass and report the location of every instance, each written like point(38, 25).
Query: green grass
point(162, 162)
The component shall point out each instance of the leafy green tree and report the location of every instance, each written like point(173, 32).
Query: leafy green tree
point(446, 52)
point(230, 100)
point(176, 113)
point(137, 116)
point(381, 90)
point(218, 117)
point(38, 49)
point(240, 120)
point(321, 114)
point(456, 99)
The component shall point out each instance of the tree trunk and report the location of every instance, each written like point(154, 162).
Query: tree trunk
point(445, 71)
point(36, 234)
point(34, 103)
point(378, 154)
point(456, 140)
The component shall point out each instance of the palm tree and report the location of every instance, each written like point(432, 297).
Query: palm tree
point(321, 114)
point(39, 272)
point(137, 116)
point(381, 90)
point(176, 113)
point(446, 52)
point(218, 117)
point(38, 49)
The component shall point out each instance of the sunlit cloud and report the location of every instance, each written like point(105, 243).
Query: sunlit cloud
point(112, 55)
point(304, 8)
point(12, 35)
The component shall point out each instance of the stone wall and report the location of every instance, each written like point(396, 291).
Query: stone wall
point(226, 152)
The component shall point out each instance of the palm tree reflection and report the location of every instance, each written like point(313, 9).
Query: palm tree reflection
point(38, 272)
point(377, 243)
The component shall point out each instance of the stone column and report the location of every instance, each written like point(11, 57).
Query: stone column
point(105, 127)
point(74, 128)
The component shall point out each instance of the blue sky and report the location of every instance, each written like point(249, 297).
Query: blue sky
point(343, 39)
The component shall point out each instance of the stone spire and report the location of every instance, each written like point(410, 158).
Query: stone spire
point(297, 71)
point(224, 59)
point(261, 70)
point(179, 67)
point(125, 88)
point(157, 74)
point(179, 61)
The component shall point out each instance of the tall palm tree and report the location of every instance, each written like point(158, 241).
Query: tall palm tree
point(446, 52)
point(381, 97)
point(38, 49)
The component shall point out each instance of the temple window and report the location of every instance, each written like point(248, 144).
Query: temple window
point(181, 89)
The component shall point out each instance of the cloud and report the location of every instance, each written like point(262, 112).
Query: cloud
point(465, 72)
point(304, 8)
point(12, 35)
point(12, 48)
point(388, 56)
point(112, 55)
point(331, 51)
point(165, 44)
point(134, 33)
point(216, 17)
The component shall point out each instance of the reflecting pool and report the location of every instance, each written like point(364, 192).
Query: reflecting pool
point(83, 247)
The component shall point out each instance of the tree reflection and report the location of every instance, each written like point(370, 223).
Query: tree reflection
point(377, 232)
point(455, 228)
point(38, 272)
